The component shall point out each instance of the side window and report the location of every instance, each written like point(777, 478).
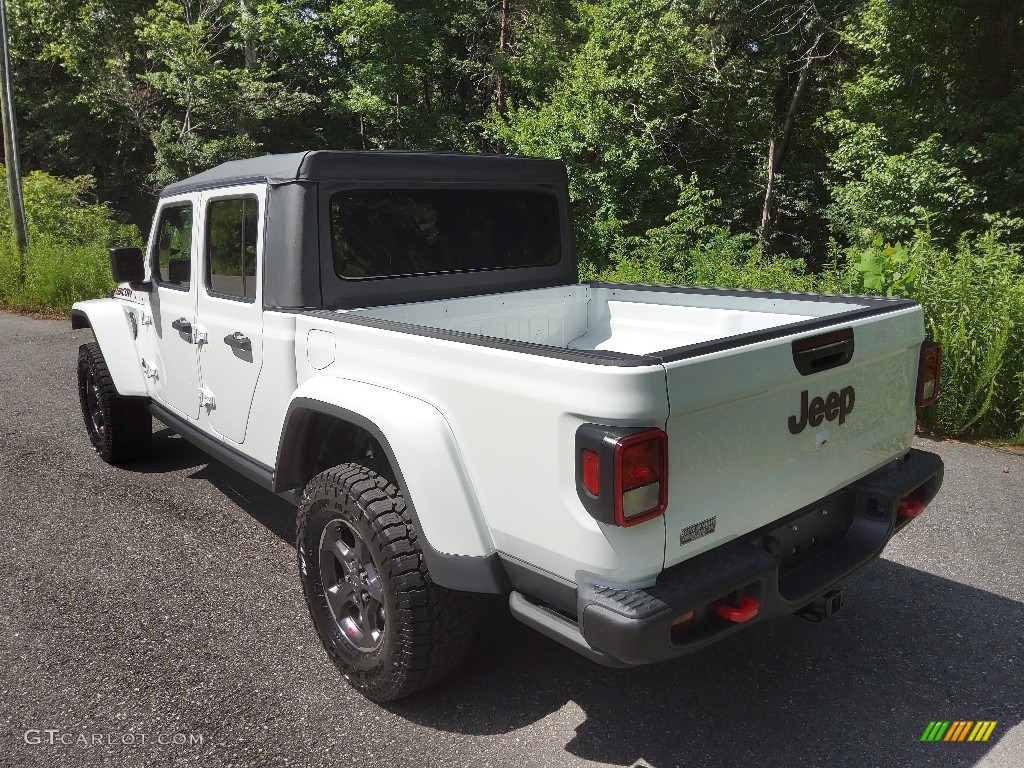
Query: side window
point(231, 227)
point(173, 267)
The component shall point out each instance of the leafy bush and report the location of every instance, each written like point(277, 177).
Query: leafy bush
point(973, 299)
point(895, 194)
point(69, 234)
point(691, 249)
point(733, 261)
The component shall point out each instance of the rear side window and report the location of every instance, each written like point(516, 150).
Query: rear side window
point(231, 228)
point(391, 232)
point(174, 247)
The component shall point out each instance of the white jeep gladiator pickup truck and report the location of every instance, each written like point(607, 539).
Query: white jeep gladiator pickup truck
point(399, 344)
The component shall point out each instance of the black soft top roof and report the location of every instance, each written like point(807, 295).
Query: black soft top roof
point(376, 166)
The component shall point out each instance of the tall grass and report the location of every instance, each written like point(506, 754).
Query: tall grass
point(973, 299)
point(56, 276)
point(69, 234)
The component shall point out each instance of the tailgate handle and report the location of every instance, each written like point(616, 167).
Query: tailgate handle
point(820, 353)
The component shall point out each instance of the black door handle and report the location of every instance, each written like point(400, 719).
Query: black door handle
point(238, 340)
point(182, 325)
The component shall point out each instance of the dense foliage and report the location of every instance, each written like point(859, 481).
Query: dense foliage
point(69, 232)
point(870, 145)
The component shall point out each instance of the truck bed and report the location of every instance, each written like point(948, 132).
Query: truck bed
point(626, 319)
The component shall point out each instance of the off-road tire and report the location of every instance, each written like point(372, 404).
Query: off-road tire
point(119, 428)
point(424, 629)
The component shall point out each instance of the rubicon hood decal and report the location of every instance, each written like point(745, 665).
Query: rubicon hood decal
point(834, 405)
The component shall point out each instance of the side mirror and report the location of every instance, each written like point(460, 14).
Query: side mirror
point(127, 265)
point(179, 271)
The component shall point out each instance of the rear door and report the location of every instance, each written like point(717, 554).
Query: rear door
point(173, 304)
point(230, 306)
point(752, 437)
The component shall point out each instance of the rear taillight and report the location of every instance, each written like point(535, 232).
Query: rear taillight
point(929, 374)
point(640, 489)
point(622, 472)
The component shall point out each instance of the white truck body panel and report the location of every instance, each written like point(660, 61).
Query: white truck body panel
point(274, 392)
point(732, 456)
point(415, 429)
point(111, 325)
point(231, 372)
point(710, 405)
point(175, 355)
point(516, 437)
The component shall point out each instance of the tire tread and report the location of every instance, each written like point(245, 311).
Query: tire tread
point(129, 424)
point(437, 624)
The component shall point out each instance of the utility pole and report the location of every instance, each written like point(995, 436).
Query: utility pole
point(11, 146)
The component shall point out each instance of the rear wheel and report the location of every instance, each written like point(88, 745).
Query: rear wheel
point(388, 628)
point(120, 429)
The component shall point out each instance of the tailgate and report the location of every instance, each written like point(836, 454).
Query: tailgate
point(752, 438)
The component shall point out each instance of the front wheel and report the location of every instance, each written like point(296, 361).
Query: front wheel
point(388, 628)
point(120, 428)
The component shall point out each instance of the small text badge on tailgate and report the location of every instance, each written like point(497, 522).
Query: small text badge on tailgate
point(697, 530)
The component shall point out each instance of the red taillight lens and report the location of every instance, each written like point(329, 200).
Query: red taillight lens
point(641, 464)
point(641, 477)
point(929, 374)
point(591, 473)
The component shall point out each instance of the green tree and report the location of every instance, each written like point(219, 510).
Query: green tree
point(216, 88)
point(927, 127)
point(608, 113)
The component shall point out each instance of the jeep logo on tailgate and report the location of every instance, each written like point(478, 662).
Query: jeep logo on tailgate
point(835, 405)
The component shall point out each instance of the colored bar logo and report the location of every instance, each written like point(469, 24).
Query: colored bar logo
point(958, 730)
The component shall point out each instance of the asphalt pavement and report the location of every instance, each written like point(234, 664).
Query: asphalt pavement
point(152, 616)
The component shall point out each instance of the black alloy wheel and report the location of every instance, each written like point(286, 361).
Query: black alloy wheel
point(351, 582)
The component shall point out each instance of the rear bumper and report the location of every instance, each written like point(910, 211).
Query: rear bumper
point(783, 568)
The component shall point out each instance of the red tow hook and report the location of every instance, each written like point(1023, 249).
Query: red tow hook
point(910, 508)
point(744, 611)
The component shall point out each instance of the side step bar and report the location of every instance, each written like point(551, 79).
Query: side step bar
point(262, 475)
point(558, 628)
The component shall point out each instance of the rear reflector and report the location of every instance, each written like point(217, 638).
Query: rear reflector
point(592, 473)
point(681, 624)
point(641, 477)
point(683, 618)
point(929, 374)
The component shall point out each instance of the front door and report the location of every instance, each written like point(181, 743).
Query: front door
point(231, 306)
point(173, 303)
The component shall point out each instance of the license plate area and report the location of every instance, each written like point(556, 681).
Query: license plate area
point(809, 535)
